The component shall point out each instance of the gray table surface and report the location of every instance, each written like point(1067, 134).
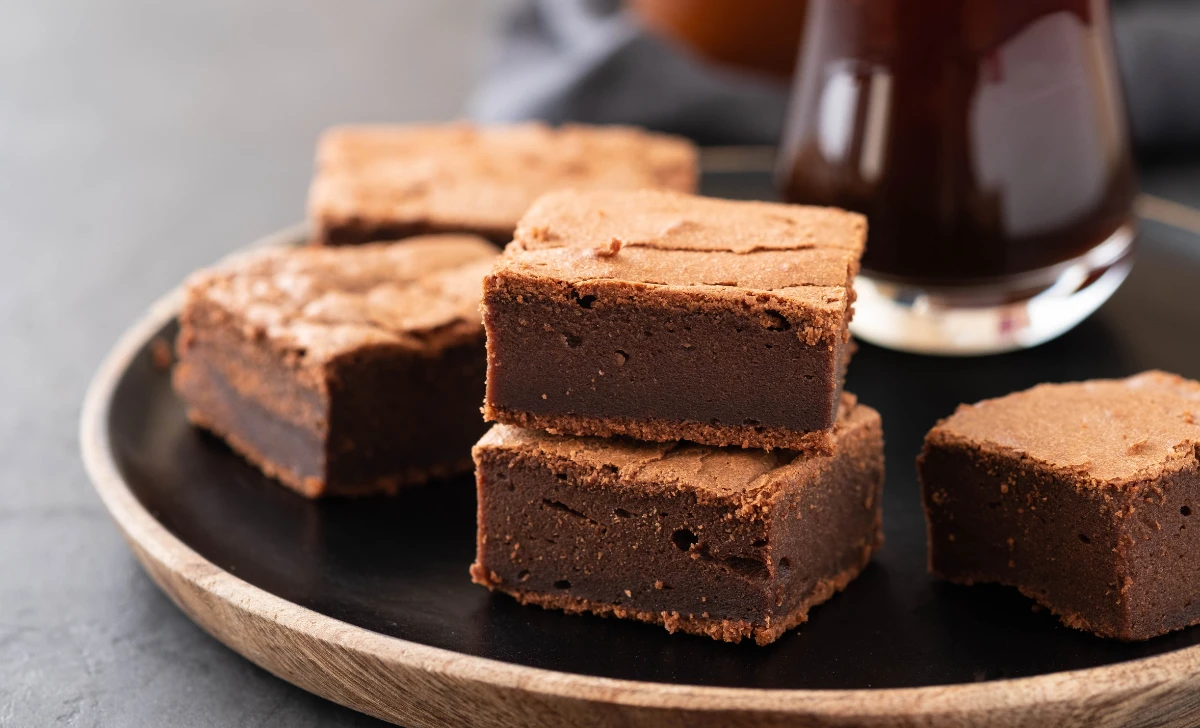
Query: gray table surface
point(140, 140)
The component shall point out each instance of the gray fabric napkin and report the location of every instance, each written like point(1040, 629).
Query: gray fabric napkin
point(575, 60)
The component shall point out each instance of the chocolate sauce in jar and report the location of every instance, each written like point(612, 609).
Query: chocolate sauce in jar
point(983, 139)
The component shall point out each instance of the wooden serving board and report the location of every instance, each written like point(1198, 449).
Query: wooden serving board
point(368, 602)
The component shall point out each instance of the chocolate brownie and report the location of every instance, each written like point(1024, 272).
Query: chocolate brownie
point(724, 542)
point(384, 182)
point(341, 371)
point(665, 317)
point(1080, 495)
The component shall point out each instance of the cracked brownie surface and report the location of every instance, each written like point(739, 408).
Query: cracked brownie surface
point(340, 371)
point(665, 316)
point(388, 181)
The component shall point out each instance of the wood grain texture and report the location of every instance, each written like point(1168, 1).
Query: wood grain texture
point(416, 685)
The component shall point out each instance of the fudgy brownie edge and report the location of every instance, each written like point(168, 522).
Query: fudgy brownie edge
point(724, 630)
point(723, 542)
point(342, 371)
point(1079, 495)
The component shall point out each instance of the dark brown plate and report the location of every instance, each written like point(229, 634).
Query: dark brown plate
point(397, 568)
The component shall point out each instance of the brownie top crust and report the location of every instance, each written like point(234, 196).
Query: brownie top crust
point(672, 221)
point(786, 256)
point(712, 473)
point(1104, 431)
point(484, 177)
point(421, 293)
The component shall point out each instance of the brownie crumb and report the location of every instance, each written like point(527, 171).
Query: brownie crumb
point(162, 355)
point(542, 234)
point(607, 250)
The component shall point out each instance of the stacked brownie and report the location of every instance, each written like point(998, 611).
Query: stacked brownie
point(713, 332)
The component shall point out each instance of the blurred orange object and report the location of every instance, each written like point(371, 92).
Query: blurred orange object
point(757, 35)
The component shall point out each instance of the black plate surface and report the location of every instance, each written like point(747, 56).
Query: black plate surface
point(399, 566)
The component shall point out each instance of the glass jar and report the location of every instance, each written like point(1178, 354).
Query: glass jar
point(987, 144)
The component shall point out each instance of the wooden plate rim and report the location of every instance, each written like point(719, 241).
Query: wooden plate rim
point(176, 568)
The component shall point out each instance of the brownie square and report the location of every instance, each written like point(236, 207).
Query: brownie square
point(724, 542)
point(386, 182)
point(340, 371)
point(1080, 495)
point(666, 316)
